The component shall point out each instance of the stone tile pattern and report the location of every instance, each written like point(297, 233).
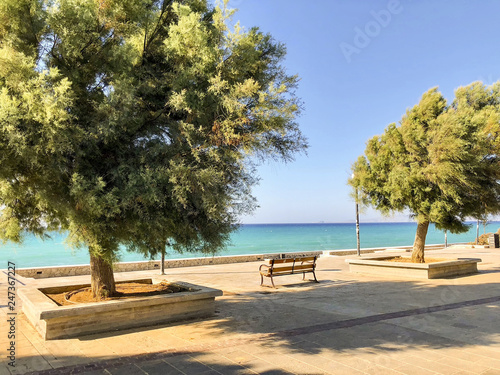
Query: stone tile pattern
point(347, 324)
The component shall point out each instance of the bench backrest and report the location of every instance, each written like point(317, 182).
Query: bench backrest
point(290, 265)
point(293, 260)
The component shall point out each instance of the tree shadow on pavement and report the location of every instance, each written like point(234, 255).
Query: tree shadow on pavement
point(154, 364)
point(350, 314)
point(305, 327)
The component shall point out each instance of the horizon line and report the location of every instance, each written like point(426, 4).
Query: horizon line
point(353, 222)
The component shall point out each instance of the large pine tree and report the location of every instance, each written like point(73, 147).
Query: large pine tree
point(135, 122)
point(441, 163)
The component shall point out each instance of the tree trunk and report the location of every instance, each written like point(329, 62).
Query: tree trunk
point(163, 252)
point(417, 254)
point(102, 279)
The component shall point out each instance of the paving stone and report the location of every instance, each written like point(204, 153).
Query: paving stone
point(381, 370)
point(237, 356)
point(317, 363)
point(220, 363)
point(96, 372)
point(188, 365)
point(462, 364)
point(415, 370)
point(290, 363)
point(127, 370)
point(335, 367)
point(24, 366)
point(263, 367)
point(4, 370)
point(435, 366)
point(158, 367)
point(482, 351)
point(307, 346)
point(490, 372)
point(355, 362)
point(348, 324)
point(490, 363)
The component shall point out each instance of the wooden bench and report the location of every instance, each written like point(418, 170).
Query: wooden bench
point(288, 266)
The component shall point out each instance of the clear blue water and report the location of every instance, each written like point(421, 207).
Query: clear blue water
point(251, 239)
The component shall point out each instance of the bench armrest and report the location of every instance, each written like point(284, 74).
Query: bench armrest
point(264, 265)
point(311, 262)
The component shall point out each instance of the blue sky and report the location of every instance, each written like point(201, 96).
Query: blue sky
point(362, 63)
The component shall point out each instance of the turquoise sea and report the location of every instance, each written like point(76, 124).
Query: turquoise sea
point(252, 239)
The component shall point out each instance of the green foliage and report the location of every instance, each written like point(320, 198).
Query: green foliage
point(441, 162)
point(135, 122)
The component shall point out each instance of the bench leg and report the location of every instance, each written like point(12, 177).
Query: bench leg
point(314, 274)
point(272, 281)
point(262, 281)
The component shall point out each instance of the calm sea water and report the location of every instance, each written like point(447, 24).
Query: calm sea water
point(251, 239)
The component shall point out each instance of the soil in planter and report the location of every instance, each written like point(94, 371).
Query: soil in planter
point(124, 290)
point(408, 260)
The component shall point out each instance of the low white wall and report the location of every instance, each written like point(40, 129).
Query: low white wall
point(56, 271)
point(380, 249)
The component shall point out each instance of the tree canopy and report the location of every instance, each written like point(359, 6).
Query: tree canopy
point(136, 122)
point(441, 163)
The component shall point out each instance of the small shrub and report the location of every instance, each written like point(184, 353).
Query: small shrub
point(483, 239)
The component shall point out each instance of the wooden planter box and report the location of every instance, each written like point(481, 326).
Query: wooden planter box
point(381, 267)
point(53, 321)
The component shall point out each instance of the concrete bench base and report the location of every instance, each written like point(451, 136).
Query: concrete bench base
point(381, 267)
point(54, 322)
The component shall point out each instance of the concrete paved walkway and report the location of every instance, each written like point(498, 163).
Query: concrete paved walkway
point(346, 324)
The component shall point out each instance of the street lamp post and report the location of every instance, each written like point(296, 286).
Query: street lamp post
point(477, 232)
point(357, 225)
point(162, 268)
point(358, 247)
